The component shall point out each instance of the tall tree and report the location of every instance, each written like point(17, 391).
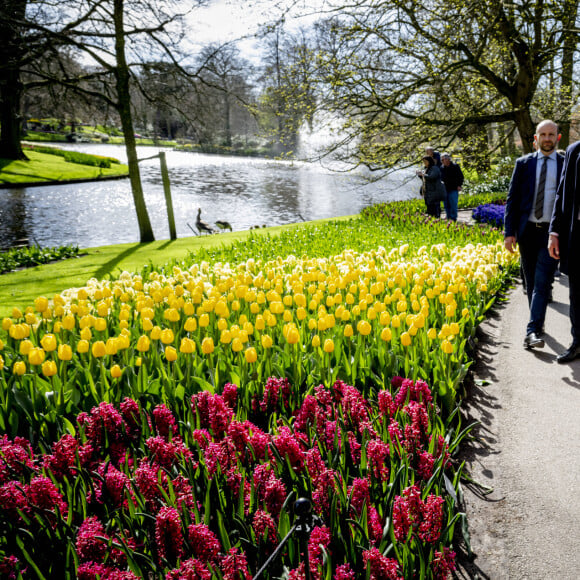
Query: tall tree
point(407, 72)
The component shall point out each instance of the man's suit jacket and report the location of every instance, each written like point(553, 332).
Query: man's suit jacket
point(521, 193)
point(565, 214)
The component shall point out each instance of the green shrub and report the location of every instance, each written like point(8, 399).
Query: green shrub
point(15, 258)
point(77, 157)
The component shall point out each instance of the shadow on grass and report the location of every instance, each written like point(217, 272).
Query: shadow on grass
point(108, 267)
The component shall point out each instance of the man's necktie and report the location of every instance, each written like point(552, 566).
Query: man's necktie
point(539, 209)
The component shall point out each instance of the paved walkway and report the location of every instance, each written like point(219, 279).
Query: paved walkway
point(527, 448)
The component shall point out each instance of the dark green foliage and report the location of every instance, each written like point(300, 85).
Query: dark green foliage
point(33, 256)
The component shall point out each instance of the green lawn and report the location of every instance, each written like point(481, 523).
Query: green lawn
point(46, 168)
point(22, 287)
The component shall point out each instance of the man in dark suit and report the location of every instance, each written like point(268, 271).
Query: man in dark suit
point(565, 241)
point(527, 216)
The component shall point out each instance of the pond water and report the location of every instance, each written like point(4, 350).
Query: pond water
point(246, 192)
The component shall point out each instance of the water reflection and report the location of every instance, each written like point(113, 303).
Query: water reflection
point(245, 192)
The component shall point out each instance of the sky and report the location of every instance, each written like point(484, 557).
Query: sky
point(225, 20)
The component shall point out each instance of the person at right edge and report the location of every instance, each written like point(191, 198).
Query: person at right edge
point(528, 211)
point(564, 241)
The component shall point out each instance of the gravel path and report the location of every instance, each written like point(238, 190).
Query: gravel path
point(527, 449)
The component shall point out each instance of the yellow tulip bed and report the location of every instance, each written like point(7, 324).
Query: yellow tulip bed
point(161, 338)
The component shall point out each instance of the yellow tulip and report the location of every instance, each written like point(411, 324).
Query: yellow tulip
point(454, 327)
point(30, 318)
point(68, 322)
point(82, 346)
point(111, 346)
point(41, 304)
point(447, 347)
point(138, 361)
point(293, 335)
point(237, 345)
point(266, 341)
point(406, 339)
point(16, 313)
point(207, 346)
point(147, 325)
point(116, 371)
point(48, 342)
point(99, 349)
point(348, 330)
point(64, 352)
point(143, 343)
point(25, 347)
point(155, 333)
point(100, 324)
point(86, 333)
point(363, 327)
point(170, 353)
point(187, 346)
point(49, 368)
point(167, 336)
point(225, 337)
point(1, 344)
point(316, 341)
point(328, 345)
point(1, 363)
point(204, 320)
point(251, 355)
point(36, 356)
point(6, 323)
point(19, 368)
point(190, 325)
point(386, 334)
point(432, 334)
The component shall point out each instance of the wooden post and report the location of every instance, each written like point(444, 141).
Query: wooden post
point(167, 190)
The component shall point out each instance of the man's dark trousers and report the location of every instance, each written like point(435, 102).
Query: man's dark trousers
point(539, 270)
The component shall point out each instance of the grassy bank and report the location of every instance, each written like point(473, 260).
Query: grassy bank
point(49, 168)
point(22, 287)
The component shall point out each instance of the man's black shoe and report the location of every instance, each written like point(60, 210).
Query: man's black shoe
point(572, 353)
point(532, 340)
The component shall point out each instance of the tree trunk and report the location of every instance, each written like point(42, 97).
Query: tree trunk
point(566, 84)
point(526, 129)
point(11, 87)
point(122, 76)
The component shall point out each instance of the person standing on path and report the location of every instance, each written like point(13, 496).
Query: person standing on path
point(433, 190)
point(452, 177)
point(528, 211)
point(564, 241)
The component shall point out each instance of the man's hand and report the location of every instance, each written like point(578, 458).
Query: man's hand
point(554, 247)
point(510, 243)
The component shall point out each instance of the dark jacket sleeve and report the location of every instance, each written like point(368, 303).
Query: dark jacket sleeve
point(513, 203)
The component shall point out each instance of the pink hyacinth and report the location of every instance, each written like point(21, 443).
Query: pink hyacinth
point(306, 415)
point(112, 486)
point(234, 566)
point(354, 406)
point(387, 406)
point(264, 527)
point(426, 465)
point(147, 477)
point(167, 453)
point(239, 434)
point(192, 569)
point(443, 564)
point(13, 499)
point(359, 495)
point(63, 459)
point(378, 459)
point(432, 513)
point(319, 540)
point(204, 543)
point(289, 446)
point(275, 496)
point(212, 411)
point(168, 534)
point(164, 421)
point(132, 417)
point(43, 494)
point(381, 568)
point(355, 447)
point(16, 458)
point(404, 387)
point(230, 395)
point(91, 544)
point(344, 572)
point(105, 424)
point(94, 571)
point(10, 568)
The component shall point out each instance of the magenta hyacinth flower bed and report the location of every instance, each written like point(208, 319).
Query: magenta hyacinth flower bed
point(145, 495)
